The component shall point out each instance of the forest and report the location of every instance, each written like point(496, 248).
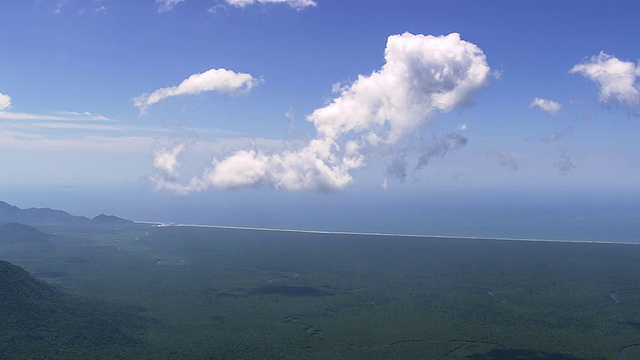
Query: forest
point(81, 287)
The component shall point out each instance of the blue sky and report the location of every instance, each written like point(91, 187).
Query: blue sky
point(298, 96)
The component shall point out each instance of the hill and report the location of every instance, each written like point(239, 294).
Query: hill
point(14, 233)
point(50, 220)
point(10, 213)
point(111, 220)
point(39, 322)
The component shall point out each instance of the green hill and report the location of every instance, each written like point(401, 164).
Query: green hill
point(39, 322)
point(111, 220)
point(50, 220)
point(10, 213)
point(14, 233)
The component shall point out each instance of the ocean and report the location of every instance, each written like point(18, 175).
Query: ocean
point(579, 215)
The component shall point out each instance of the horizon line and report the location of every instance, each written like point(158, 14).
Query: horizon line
point(327, 232)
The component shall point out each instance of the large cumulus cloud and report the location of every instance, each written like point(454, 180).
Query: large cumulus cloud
point(422, 75)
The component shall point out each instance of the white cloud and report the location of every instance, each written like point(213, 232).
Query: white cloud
point(167, 5)
point(127, 140)
point(5, 104)
point(422, 75)
point(85, 115)
point(6, 115)
point(166, 160)
point(62, 116)
point(549, 106)
point(214, 9)
point(220, 80)
point(296, 4)
point(241, 169)
point(28, 140)
point(616, 79)
point(5, 101)
point(76, 126)
point(100, 9)
point(337, 88)
point(59, 5)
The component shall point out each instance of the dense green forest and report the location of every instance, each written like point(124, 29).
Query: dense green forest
point(125, 290)
point(40, 322)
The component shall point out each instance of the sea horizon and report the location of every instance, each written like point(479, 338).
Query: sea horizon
point(376, 234)
point(563, 215)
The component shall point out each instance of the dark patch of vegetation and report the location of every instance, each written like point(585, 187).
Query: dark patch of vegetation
point(291, 290)
point(510, 354)
point(633, 324)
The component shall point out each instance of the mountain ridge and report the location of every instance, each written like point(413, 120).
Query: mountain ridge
point(48, 218)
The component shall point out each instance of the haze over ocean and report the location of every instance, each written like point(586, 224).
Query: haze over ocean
point(558, 215)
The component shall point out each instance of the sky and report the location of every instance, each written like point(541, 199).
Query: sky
point(294, 102)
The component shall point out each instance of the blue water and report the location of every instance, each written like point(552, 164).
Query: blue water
point(542, 215)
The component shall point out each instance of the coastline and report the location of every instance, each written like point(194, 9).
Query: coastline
point(326, 232)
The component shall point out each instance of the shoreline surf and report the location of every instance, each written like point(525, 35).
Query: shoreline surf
point(326, 232)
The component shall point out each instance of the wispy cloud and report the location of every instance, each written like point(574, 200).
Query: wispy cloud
point(167, 5)
point(5, 101)
point(564, 166)
point(557, 135)
point(85, 115)
point(39, 128)
point(291, 121)
point(61, 116)
point(120, 144)
point(507, 160)
point(122, 140)
point(616, 79)
point(219, 80)
point(59, 5)
point(440, 147)
point(374, 112)
point(546, 105)
point(397, 168)
point(296, 4)
point(5, 115)
point(5, 104)
point(428, 150)
point(76, 126)
point(99, 9)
